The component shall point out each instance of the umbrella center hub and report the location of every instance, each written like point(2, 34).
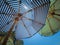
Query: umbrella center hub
point(50, 14)
point(19, 16)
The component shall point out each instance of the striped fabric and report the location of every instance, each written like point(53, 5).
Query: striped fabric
point(31, 22)
point(35, 3)
point(6, 14)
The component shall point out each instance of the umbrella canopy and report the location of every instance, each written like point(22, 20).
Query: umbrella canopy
point(25, 17)
point(53, 19)
point(34, 20)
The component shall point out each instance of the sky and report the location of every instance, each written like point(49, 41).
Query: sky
point(40, 40)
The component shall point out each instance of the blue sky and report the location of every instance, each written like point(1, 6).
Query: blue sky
point(40, 40)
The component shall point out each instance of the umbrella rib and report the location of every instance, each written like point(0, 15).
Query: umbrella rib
point(33, 20)
point(56, 18)
point(6, 24)
point(26, 27)
point(56, 9)
point(57, 14)
point(53, 3)
point(35, 8)
point(50, 25)
point(53, 13)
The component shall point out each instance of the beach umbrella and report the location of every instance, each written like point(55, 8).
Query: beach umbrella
point(11, 41)
point(23, 17)
point(53, 19)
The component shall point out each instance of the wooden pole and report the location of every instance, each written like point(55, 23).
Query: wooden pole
point(9, 32)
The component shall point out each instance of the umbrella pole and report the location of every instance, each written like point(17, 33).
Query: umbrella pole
point(9, 32)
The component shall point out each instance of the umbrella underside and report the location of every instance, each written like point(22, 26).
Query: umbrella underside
point(33, 14)
point(53, 19)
